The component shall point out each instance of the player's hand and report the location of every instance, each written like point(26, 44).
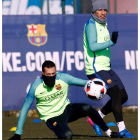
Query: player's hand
point(114, 37)
point(15, 137)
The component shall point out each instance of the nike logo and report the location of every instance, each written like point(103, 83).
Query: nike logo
point(41, 92)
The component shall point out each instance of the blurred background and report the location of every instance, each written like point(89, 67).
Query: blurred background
point(60, 24)
point(44, 7)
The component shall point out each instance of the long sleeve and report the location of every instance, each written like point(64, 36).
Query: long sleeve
point(91, 34)
point(26, 106)
point(73, 80)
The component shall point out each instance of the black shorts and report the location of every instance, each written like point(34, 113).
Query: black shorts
point(105, 76)
point(59, 124)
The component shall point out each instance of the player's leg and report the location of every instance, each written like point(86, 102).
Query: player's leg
point(115, 104)
point(118, 97)
point(59, 125)
point(79, 110)
point(123, 97)
point(104, 75)
point(114, 80)
point(117, 111)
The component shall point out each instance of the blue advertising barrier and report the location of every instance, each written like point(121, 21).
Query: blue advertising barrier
point(27, 41)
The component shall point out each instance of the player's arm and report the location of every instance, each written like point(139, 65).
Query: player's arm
point(71, 80)
point(91, 34)
point(26, 106)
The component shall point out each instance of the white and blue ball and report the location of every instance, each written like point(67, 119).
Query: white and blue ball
point(95, 89)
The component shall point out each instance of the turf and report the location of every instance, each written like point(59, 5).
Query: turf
point(80, 128)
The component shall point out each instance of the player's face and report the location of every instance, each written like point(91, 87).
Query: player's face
point(101, 13)
point(49, 71)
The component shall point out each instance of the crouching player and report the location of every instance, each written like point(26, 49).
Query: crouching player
point(54, 107)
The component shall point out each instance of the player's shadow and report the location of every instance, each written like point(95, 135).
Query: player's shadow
point(91, 136)
point(74, 137)
point(87, 137)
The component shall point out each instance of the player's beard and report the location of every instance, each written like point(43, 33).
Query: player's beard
point(49, 80)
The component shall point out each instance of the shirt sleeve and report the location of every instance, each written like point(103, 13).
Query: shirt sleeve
point(91, 34)
point(71, 80)
point(26, 106)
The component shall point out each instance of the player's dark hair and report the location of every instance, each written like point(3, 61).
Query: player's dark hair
point(48, 64)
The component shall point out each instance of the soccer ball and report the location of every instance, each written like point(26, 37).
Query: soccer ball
point(95, 89)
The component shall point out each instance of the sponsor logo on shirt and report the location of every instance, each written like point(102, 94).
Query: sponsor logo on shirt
point(54, 96)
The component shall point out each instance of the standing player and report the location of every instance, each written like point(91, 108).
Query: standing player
point(54, 107)
point(97, 45)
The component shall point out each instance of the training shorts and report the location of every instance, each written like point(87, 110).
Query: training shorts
point(59, 124)
point(109, 77)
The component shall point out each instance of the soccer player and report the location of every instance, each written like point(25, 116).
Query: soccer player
point(97, 44)
point(54, 107)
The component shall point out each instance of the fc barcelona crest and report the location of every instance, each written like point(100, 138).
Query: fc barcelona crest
point(58, 87)
point(36, 34)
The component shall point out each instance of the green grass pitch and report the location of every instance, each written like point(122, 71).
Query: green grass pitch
point(81, 128)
